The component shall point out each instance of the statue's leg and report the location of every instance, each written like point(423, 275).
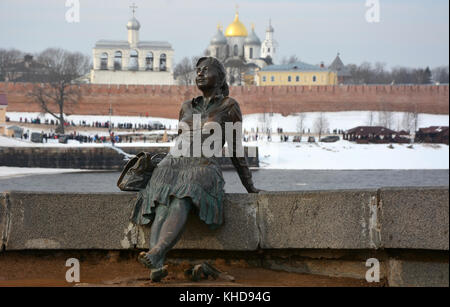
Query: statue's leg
point(172, 228)
point(160, 217)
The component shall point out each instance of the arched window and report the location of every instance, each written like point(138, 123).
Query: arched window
point(217, 52)
point(104, 61)
point(235, 50)
point(251, 53)
point(289, 78)
point(314, 78)
point(149, 61)
point(163, 62)
point(268, 49)
point(228, 51)
point(118, 60)
point(297, 78)
point(133, 64)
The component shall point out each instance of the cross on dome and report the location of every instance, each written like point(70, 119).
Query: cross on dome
point(133, 8)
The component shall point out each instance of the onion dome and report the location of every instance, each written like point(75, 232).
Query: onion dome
point(133, 24)
point(252, 39)
point(236, 28)
point(219, 38)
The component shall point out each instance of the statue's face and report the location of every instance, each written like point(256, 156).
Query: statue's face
point(207, 76)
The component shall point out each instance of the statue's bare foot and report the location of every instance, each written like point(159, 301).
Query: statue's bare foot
point(148, 260)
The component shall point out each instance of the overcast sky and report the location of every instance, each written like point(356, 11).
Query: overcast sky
point(410, 32)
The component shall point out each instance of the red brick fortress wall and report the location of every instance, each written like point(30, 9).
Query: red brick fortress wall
point(165, 101)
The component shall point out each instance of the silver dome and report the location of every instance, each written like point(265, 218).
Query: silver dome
point(252, 39)
point(133, 24)
point(219, 38)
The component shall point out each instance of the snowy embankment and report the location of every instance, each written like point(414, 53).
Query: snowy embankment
point(326, 156)
point(344, 155)
point(10, 172)
point(14, 142)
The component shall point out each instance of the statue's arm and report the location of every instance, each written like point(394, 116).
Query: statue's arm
point(180, 115)
point(240, 163)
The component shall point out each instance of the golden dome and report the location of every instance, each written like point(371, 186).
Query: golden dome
point(236, 28)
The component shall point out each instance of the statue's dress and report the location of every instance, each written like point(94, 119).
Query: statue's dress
point(191, 176)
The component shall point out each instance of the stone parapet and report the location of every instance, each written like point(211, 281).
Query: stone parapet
point(391, 218)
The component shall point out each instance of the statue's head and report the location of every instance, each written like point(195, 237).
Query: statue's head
point(211, 74)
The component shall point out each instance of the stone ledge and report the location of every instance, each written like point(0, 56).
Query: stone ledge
point(3, 210)
point(411, 218)
point(416, 218)
point(417, 273)
point(322, 219)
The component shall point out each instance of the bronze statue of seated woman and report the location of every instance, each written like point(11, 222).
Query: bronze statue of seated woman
point(181, 183)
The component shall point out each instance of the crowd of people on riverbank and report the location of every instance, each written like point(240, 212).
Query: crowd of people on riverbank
point(96, 124)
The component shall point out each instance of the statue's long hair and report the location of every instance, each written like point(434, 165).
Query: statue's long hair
point(222, 73)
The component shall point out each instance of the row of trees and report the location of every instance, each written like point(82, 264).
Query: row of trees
point(367, 73)
point(409, 121)
point(56, 90)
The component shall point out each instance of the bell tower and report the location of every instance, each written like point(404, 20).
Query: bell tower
point(269, 45)
point(133, 27)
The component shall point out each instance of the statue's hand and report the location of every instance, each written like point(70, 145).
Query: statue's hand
point(252, 189)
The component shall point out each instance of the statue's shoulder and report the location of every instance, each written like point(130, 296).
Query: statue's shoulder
point(231, 102)
point(188, 103)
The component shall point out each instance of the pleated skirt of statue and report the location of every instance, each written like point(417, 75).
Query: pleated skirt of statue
point(198, 178)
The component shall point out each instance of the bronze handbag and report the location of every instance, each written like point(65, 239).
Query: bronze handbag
point(138, 171)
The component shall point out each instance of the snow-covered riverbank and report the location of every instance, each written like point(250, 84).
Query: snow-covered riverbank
point(342, 155)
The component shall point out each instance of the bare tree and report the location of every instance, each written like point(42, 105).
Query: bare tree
point(184, 72)
point(441, 74)
point(416, 120)
point(321, 124)
point(60, 90)
point(301, 122)
point(291, 60)
point(7, 58)
point(371, 118)
point(236, 70)
point(385, 119)
point(411, 119)
point(408, 121)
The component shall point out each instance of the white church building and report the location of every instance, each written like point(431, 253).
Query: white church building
point(132, 61)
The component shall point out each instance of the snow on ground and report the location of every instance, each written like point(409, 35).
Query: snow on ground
point(14, 142)
point(344, 155)
point(338, 156)
point(10, 172)
point(275, 155)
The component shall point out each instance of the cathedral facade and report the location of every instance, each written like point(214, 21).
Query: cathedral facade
point(132, 61)
point(241, 52)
